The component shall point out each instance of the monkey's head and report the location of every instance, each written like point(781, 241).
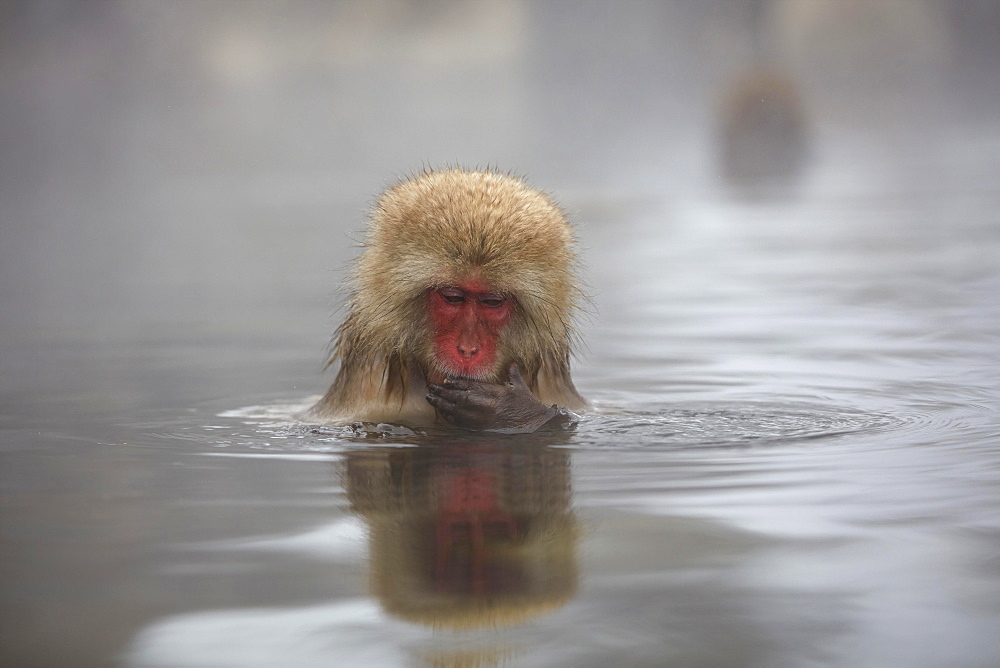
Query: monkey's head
point(465, 273)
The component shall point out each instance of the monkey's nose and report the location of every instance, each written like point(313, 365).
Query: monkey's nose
point(467, 351)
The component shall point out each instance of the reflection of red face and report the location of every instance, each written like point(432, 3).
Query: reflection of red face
point(471, 531)
point(467, 322)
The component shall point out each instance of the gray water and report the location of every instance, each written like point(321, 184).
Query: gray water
point(793, 457)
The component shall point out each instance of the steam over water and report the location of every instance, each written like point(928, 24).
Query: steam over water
point(793, 456)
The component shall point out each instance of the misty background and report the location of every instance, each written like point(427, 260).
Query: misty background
point(163, 162)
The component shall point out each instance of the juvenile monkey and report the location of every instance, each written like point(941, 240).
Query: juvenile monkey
point(461, 309)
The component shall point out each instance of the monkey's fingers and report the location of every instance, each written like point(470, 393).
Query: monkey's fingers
point(452, 395)
point(476, 397)
point(460, 384)
point(440, 403)
point(452, 413)
point(437, 390)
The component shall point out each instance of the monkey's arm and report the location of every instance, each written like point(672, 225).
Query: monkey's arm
point(509, 408)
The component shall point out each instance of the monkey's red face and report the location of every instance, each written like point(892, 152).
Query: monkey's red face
point(468, 320)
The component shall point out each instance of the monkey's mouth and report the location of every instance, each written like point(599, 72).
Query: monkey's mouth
point(462, 376)
point(442, 373)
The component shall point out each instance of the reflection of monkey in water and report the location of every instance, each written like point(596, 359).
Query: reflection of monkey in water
point(467, 535)
point(461, 309)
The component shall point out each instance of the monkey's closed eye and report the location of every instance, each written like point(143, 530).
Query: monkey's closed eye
point(451, 295)
point(492, 302)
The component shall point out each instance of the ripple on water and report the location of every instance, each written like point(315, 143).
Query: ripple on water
point(279, 427)
point(706, 424)
point(732, 424)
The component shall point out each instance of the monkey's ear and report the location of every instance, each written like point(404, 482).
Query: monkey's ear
point(514, 376)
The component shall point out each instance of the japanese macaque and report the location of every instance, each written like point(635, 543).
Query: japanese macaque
point(461, 310)
point(763, 134)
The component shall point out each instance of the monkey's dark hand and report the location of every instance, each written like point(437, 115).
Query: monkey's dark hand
point(509, 407)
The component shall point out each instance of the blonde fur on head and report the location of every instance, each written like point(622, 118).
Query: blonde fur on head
point(444, 228)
